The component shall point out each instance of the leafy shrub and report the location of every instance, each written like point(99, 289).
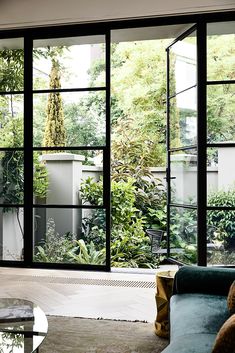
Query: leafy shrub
point(223, 220)
point(130, 247)
point(54, 248)
point(150, 200)
point(67, 249)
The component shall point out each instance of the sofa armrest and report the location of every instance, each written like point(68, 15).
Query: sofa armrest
point(207, 280)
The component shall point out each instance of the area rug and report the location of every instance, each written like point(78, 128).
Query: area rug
point(78, 335)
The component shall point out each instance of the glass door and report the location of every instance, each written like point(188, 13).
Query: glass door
point(70, 150)
point(182, 147)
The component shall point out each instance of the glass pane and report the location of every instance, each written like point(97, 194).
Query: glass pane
point(221, 236)
point(11, 120)
point(68, 178)
point(11, 234)
point(184, 177)
point(183, 68)
point(69, 62)
point(183, 119)
point(69, 119)
point(220, 176)
point(69, 236)
point(221, 51)
point(221, 113)
point(11, 64)
point(12, 177)
point(183, 234)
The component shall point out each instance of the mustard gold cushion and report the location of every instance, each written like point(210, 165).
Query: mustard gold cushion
point(225, 339)
point(231, 298)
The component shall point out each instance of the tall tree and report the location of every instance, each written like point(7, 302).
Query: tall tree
point(54, 135)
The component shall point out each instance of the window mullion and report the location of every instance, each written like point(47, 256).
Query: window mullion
point(28, 150)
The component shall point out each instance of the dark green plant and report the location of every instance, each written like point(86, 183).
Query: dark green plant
point(223, 220)
point(40, 177)
point(12, 182)
point(150, 200)
point(183, 234)
point(130, 247)
point(87, 253)
point(54, 248)
point(66, 249)
point(221, 257)
point(12, 70)
point(54, 135)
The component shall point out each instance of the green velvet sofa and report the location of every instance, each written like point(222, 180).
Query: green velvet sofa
point(198, 308)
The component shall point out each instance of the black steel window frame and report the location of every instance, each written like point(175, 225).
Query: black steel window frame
point(28, 150)
point(202, 145)
point(105, 28)
point(210, 83)
point(170, 149)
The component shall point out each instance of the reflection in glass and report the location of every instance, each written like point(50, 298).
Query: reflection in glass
point(11, 64)
point(12, 177)
point(183, 234)
point(11, 120)
point(183, 69)
point(69, 235)
point(221, 113)
point(23, 325)
point(221, 51)
point(221, 236)
point(11, 234)
point(81, 118)
point(75, 57)
point(184, 177)
point(58, 176)
point(220, 176)
point(183, 119)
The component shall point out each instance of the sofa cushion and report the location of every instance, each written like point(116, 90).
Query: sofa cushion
point(225, 339)
point(231, 298)
point(197, 314)
point(197, 343)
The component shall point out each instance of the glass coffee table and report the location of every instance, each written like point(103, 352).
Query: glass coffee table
point(23, 326)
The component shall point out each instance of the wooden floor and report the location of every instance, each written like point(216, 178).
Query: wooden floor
point(113, 295)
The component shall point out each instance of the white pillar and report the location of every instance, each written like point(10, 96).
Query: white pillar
point(65, 175)
point(226, 170)
point(184, 172)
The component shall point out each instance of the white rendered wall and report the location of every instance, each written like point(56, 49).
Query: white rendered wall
point(226, 170)
point(12, 239)
point(15, 13)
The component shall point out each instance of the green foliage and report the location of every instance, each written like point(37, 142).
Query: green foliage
point(54, 135)
point(54, 248)
point(221, 257)
point(137, 100)
point(85, 121)
point(87, 253)
point(150, 200)
point(65, 249)
point(220, 98)
point(12, 70)
point(183, 234)
point(130, 247)
point(12, 181)
point(223, 220)
point(40, 177)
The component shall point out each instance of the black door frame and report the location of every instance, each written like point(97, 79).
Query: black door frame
point(170, 149)
point(105, 28)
